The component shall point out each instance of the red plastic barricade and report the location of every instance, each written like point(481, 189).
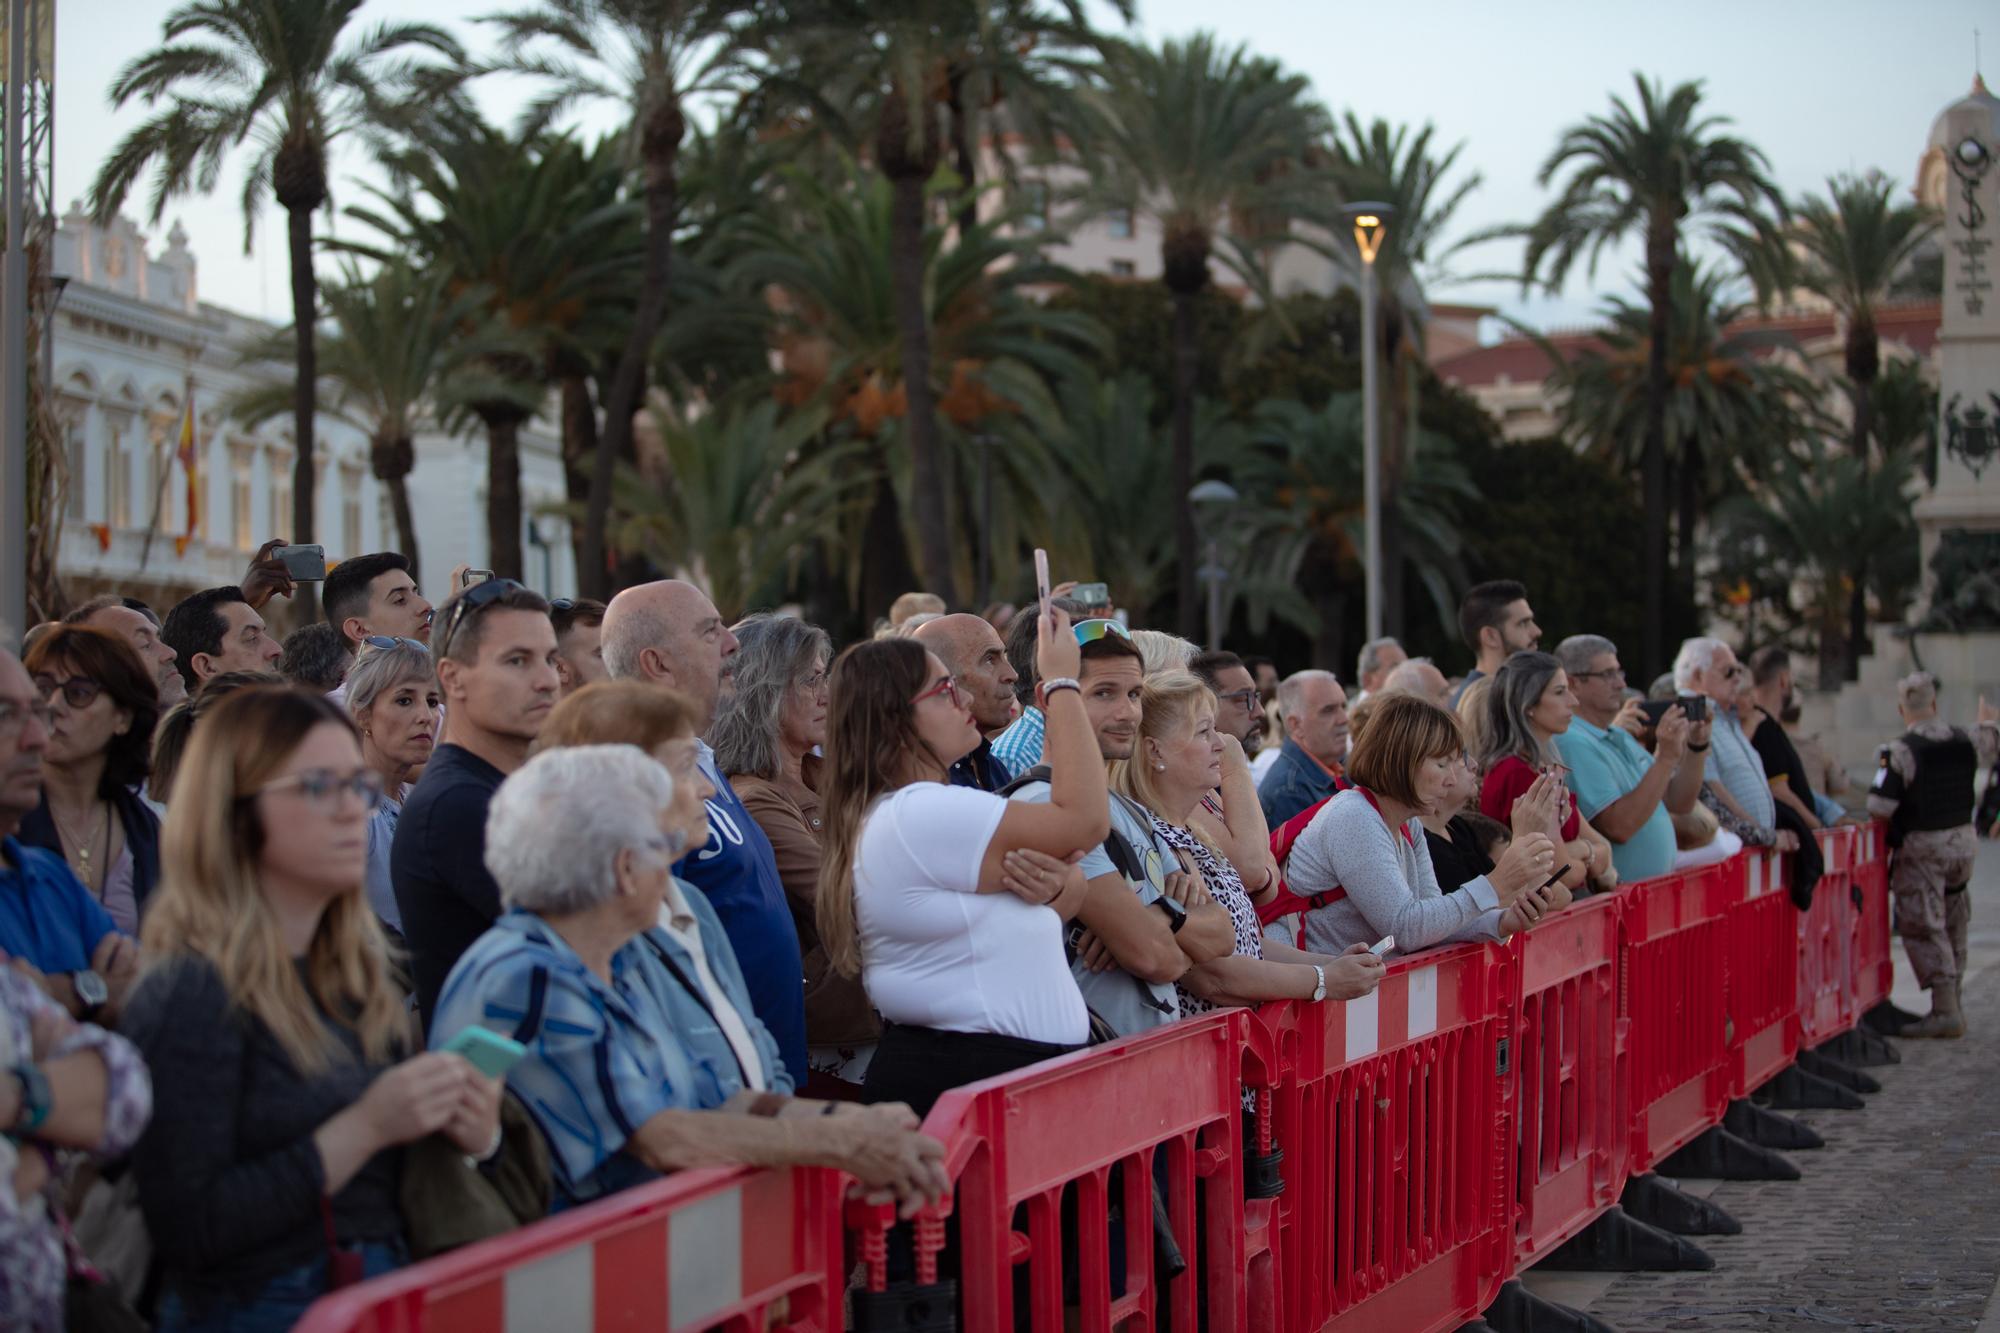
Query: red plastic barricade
point(1014, 1144)
point(1874, 972)
point(1763, 965)
point(1394, 1114)
point(1676, 939)
point(1569, 1055)
point(1826, 943)
point(744, 1249)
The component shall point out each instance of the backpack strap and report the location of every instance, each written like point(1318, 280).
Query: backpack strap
point(1039, 773)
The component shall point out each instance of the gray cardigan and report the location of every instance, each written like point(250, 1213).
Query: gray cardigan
point(1391, 888)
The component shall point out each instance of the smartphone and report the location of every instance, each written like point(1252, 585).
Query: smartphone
point(1092, 594)
point(1381, 947)
point(1042, 578)
point(303, 564)
point(1554, 879)
point(487, 1051)
point(1696, 706)
point(1655, 709)
point(472, 576)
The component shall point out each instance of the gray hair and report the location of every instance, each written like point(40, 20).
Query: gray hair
point(1292, 686)
point(1696, 655)
point(378, 670)
point(1371, 656)
point(1918, 691)
point(1517, 687)
point(317, 656)
point(1403, 680)
point(557, 824)
point(628, 634)
point(1160, 651)
point(777, 653)
point(1578, 651)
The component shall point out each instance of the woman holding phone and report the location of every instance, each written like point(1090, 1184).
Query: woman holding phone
point(1527, 706)
point(1366, 855)
point(282, 1098)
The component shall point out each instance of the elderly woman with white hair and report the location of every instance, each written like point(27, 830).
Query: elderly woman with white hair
point(644, 1055)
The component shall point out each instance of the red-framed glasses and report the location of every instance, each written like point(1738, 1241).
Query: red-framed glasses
point(947, 686)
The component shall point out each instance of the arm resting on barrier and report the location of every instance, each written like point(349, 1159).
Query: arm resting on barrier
point(1241, 979)
point(878, 1145)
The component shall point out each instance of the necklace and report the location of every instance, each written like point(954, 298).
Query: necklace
point(83, 846)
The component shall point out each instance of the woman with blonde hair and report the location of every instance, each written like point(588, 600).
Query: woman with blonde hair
point(282, 1100)
point(392, 692)
point(1177, 761)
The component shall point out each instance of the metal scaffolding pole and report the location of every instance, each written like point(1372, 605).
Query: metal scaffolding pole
point(14, 338)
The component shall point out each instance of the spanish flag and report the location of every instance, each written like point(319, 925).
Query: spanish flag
point(186, 454)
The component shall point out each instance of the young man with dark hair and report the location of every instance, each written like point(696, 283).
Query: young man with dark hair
point(579, 625)
point(496, 660)
point(1496, 622)
point(374, 594)
point(1238, 710)
point(1770, 688)
point(217, 630)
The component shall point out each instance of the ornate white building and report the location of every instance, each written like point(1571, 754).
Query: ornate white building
point(132, 340)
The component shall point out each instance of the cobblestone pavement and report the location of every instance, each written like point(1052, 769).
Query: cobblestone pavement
point(1896, 1224)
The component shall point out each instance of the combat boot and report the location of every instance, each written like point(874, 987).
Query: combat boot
point(1945, 1018)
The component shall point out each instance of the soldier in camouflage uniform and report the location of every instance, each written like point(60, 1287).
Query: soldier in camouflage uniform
point(1923, 787)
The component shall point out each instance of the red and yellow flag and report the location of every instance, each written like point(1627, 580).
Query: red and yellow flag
point(189, 465)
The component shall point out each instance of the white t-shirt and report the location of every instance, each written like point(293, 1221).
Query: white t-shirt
point(935, 951)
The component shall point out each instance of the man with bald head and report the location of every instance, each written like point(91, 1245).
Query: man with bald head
point(110, 614)
point(1313, 707)
point(670, 634)
point(971, 651)
point(1419, 676)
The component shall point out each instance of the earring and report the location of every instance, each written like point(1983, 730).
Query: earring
point(1161, 767)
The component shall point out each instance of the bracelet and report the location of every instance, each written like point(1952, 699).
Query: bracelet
point(1700, 748)
point(1048, 687)
point(492, 1149)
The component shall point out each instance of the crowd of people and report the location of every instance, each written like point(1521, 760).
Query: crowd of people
point(522, 902)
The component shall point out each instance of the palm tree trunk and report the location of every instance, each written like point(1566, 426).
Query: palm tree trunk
point(406, 524)
point(1329, 598)
point(965, 156)
point(1660, 250)
point(885, 555)
point(1689, 518)
point(305, 472)
point(579, 442)
point(1187, 354)
point(503, 494)
point(927, 490)
point(1864, 360)
point(660, 139)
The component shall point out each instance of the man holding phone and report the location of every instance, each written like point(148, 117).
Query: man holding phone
point(1628, 795)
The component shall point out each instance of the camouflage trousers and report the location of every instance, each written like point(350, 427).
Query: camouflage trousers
point(1934, 923)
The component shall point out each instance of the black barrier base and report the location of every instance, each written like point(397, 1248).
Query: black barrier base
point(1767, 1129)
point(1518, 1310)
point(1660, 1203)
point(1861, 1048)
point(1264, 1174)
point(1717, 1154)
point(905, 1307)
point(1888, 1020)
point(1616, 1243)
point(1796, 1089)
point(1833, 1071)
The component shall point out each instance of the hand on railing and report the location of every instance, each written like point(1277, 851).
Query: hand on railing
point(879, 1146)
point(1353, 974)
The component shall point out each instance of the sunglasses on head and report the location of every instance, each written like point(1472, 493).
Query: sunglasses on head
point(1090, 631)
point(475, 598)
point(562, 604)
point(391, 640)
point(78, 691)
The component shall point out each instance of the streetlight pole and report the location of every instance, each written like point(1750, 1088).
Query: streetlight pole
point(1370, 225)
point(1210, 499)
point(14, 337)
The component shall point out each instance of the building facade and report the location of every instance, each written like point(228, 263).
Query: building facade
point(132, 344)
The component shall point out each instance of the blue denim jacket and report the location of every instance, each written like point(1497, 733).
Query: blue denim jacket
point(1294, 782)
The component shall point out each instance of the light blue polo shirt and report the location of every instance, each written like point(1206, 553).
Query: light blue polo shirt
point(1606, 764)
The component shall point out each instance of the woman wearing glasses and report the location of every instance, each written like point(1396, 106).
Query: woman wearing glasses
point(269, 1174)
point(1528, 705)
point(392, 694)
point(105, 706)
point(766, 737)
point(949, 902)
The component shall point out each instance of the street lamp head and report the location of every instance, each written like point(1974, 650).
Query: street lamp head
point(1213, 492)
point(1371, 222)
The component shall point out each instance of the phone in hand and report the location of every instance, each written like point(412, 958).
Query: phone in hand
point(472, 576)
point(1381, 947)
point(1092, 594)
point(1042, 579)
point(1696, 706)
point(486, 1050)
point(1556, 878)
point(1655, 709)
point(303, 564)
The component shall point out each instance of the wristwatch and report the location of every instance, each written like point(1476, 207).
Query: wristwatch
point(35, 1097)
point(90, 989)
point(1176, 914)
point(1319, 991)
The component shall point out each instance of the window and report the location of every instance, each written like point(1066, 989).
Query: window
point(1035, 206)
point(73, 449)
point(1124, 268)
point(1119, 223)
point(117, 479)
point(281, 498)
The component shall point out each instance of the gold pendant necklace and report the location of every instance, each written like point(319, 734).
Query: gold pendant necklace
point(82, 848)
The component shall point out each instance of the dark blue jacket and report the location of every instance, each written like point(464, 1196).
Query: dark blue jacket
point(1294, 782)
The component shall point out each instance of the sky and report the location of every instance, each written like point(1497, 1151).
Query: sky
point(1822, 86)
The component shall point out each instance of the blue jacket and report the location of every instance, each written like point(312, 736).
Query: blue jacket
point(1294, 782)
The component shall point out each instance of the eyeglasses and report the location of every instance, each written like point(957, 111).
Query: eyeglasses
point(14, 717)
point(78, 691)
point(475, 598)
point(1090, 631)
point(323, 786)
point(948, 686)
point(1245, 699)
point(814, 681)
point(1612, 673)
point(391, 640)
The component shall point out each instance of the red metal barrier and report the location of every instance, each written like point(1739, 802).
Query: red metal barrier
point(1873, 975)
point(744, 1249)
point(1826, 944)
point(1394, 1113)
point(1763, 966)
point(1015, 1143)
point(1675, 932)
point(1569, 1056)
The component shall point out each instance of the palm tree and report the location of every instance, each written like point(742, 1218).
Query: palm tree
point(1386, 163)
point(1731, 405)
point(1199, 136)
point(1850, 247)
point(533, 223)
point(1654, 171)
point(649, 56)
point(279, 76)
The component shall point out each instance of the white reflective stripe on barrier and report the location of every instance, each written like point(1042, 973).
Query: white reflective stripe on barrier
point(1364, 1019)
point(557, 1291)
point(705, 1258)
point(1423, 1018)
